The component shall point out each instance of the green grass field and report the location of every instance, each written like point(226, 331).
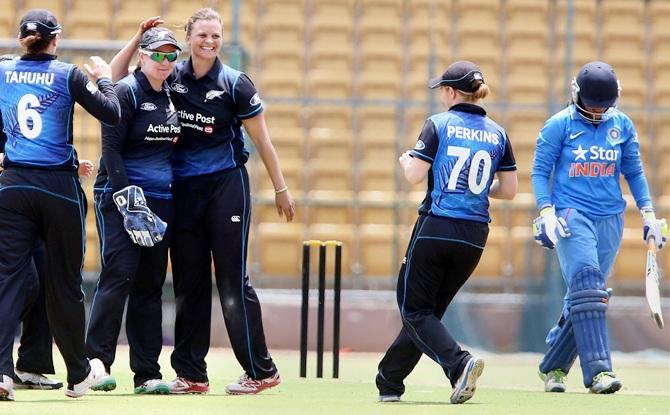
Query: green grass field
point(509, 385)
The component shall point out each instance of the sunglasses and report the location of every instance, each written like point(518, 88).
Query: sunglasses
point(161, 56)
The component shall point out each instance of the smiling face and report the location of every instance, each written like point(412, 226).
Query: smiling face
point(205, 39)
point(157, 70)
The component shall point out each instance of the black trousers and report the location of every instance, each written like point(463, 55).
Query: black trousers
point(49, 205)
point(35, 349)
point(212, 214)
point(134, 273)
point(441, 256)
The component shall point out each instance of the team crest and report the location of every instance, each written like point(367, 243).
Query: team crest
point(420, 145)
point(614, 136)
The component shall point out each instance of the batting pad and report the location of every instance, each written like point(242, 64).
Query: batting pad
point(562, 352)
point(588, 303)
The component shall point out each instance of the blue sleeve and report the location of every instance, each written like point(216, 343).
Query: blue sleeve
point(547, 151)
point(631, 167)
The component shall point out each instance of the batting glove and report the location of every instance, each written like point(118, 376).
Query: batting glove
point(654, 228)
point(142, 225)
point(548, 227)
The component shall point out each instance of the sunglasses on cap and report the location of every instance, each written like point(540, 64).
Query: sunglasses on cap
point(161, 56)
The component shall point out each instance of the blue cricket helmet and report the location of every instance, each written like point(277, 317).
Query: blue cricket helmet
point(595, 86)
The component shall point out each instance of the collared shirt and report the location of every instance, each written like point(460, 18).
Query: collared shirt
point(36, 106)
point(211, 110)
point(586, 160)
point(465, 148)
point(139, 149)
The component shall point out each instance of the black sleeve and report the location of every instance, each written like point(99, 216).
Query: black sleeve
point(100, 102)
point(247, 102)
point(113, 137)
point(3, 136)
point(507, 163)
point(427, 144)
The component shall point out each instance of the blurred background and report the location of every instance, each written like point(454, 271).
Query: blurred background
point(344, 83)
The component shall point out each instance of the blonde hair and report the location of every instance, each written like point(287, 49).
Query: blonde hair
point(479, 94)
point(205, 13)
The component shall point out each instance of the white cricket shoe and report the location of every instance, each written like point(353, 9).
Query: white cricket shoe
point(29, 380)
point(6, 388)
point(466, 384)
point(79, 389)
point(554, 380)
point(605, 382)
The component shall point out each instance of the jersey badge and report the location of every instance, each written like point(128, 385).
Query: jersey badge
point(211, 95)
point(575, 135)
point(179, 88)
point(255, 100)
point(420, 145)
point(148, 106)
point(614, 136)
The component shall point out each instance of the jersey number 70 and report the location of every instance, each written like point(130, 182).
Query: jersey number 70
point(476, 183)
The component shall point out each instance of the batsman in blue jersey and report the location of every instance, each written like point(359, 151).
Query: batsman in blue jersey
point(460, 150)
point(40, 194)
point(585, 148)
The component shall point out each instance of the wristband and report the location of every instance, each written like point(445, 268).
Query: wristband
point(282, 190)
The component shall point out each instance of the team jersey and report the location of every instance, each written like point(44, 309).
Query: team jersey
point(37, 102)
point(211, 110)
point(139, 149)
point(465, 148)
point(586, 160)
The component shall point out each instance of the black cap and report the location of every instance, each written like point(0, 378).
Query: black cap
point(156, 37)
point(460, 75)
point(41, 21)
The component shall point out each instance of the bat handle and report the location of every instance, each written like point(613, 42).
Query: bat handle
point(651, 244)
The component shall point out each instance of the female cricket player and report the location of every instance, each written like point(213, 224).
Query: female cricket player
point(213, 206)
point(136, 175)
point(460, 150)
point(587, 146)
point(40, 194)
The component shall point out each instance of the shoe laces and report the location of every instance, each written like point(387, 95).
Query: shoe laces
point(557, 375)
point(599, 377)
point(247, 381)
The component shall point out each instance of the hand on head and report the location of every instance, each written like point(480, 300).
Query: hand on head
point(149, 23)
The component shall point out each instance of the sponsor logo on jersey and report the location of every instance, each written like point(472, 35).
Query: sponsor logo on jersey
point(255, 100)
point(189, 116)
point(90, 87)
point(148, 106)
point(208, 129)
point(235, 218)
point(472, 134)
point(210, 95)
point(420, 145)
point(179, 88)
point(575, 135)
point(614, 136)
point(601, 162)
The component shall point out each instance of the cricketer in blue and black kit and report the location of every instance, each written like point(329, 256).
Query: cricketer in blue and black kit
point(460, 150)
point(40, 193)
point(136, 165)
point(35, 356)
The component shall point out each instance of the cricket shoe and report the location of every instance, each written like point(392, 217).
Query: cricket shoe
point(182, 386)
point(389, 398)
point(153, 387)
point(96, 373)
point(104, 381)
point(6, 388)
point(605, 382)
point(554, 380)
point(466, 384)
point(248, 386)
point(28, 380)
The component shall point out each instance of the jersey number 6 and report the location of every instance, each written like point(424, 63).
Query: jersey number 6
point(27, 112)
point(475, 183)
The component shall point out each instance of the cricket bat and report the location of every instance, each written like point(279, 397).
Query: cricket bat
point(652, 284)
